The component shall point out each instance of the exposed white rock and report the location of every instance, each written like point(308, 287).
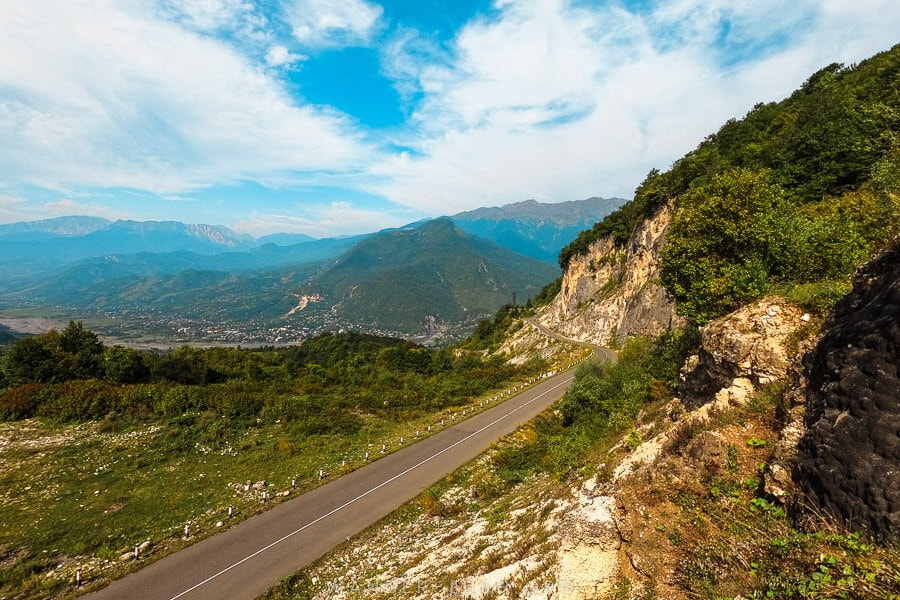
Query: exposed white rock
point(610, 294)
point(588, 558)
point(740, 352)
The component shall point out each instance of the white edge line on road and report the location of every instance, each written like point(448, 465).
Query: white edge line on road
point(364, 494)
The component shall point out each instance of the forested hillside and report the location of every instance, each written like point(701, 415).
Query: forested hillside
point(798, 192)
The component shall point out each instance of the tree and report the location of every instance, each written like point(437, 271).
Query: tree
point(81, 352)
point(124, 365)
point(186, 365)
point(728, 240)
point(30, 360)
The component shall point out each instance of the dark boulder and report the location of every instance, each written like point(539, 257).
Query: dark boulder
point(848, 464)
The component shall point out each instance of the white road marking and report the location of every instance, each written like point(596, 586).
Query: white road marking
point(364, 494)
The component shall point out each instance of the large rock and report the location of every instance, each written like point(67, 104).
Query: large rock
point(848, 463)
point(588, 559)
point(749, 343)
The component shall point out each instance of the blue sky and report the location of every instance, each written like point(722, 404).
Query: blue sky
point(334, 117)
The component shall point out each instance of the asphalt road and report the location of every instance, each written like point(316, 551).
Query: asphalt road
point(600, 353)
point(244, 561)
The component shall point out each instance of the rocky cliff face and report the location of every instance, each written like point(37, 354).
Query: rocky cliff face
point(848, 463)
point(612, 293)
point(653, 519)
point(739, 353)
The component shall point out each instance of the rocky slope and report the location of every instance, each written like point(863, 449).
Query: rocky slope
point(693, 502)
point(605, 535)
point(612, 293)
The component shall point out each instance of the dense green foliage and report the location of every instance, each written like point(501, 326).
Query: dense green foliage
point(735, 237)
point(798, 191)
point(602, 402)
point(608, 393)
point(548, 293)
point(728, 240)
point(326, 382)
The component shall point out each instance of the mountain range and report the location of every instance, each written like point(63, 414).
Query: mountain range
point(535, 229)
point(434, 277)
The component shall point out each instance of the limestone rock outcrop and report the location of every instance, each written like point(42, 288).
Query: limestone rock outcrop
point(612, 293)
point(588, 559)
point(749, 343)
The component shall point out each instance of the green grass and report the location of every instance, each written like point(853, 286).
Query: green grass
point(86, 494)
point(817, 297)
point(728, 539)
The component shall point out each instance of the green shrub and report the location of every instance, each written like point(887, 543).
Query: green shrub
point(20, 402)
point(78, 401)
point(728, 240)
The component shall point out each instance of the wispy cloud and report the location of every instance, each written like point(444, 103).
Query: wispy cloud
point(132, 100)
point(279, 56)
point(558, 101)
point(550, 99)
point(207, 14)
point(332, 23)
point(68, 206)
point(320, 220)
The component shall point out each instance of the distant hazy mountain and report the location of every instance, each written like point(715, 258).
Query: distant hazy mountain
point(406, 279)
point(409, 281)
point(89, 279)
point(536, 229)
point(284, 239)
point(57, 226)
point(417, 279)
point(33, 250)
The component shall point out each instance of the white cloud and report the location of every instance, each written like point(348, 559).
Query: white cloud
point(549, 99)
point(206, 14)
point(11, 208)
point(68, 206)
point(95, 94)
point(318, 23)
point(320, 220)
point(558, 102)
point(279, 56)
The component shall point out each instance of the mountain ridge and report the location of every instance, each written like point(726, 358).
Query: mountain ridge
point(431, 280)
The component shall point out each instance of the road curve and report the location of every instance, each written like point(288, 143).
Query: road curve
point(244, 561)
point(600, 353)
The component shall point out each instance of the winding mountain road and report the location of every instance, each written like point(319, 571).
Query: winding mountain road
point(244, 561)
point(601, 353)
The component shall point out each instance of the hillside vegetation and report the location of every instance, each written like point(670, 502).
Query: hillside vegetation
point(104, 447)
point(797, 192)
point(788, 201)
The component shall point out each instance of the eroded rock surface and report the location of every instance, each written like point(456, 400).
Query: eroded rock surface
point(749, 343)
point(588, 558)
point(612, 293)
point(849, 459)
